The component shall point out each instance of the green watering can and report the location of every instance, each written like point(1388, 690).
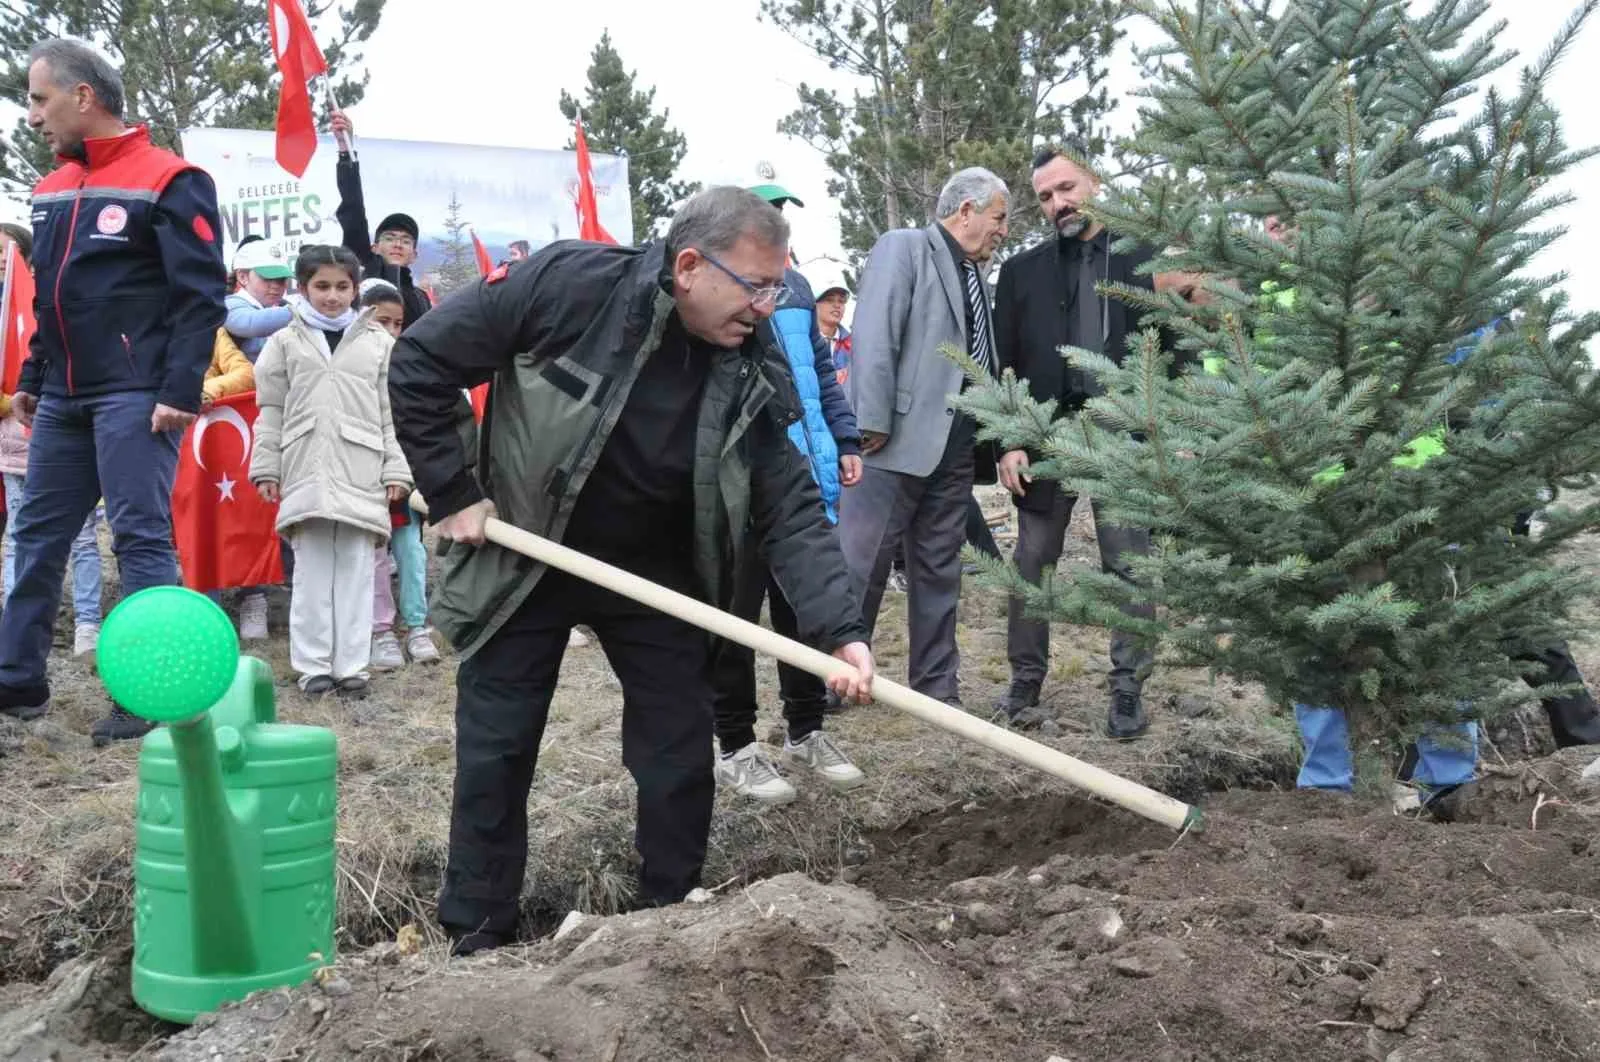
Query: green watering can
point(234, 858)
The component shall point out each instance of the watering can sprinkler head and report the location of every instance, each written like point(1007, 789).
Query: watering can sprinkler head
point(168, 654)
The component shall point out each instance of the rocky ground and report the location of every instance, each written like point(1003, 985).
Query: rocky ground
point(958, 907)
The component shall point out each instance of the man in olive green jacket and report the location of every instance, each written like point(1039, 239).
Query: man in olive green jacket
point(638, 412)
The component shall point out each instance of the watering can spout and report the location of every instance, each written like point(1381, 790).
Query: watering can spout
point(233, 875)
point(216, 832)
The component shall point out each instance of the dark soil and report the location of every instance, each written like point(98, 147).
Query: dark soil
point(1310, 926)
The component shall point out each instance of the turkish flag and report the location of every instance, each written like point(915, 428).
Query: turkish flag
point(485, 263)
point(226, 535)
point(589, 227)
point(480, 394)
point(299, 60)
point(16, 303)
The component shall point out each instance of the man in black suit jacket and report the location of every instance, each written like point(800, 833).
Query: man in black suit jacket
point(1046, 299)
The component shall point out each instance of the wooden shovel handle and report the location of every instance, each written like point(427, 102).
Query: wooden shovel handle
point(1138, 799)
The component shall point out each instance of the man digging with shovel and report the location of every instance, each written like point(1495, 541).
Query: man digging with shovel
point(638, 413)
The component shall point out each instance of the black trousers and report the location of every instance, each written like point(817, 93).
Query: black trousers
point(979, 537)
point(734, 671)
point(503, 696)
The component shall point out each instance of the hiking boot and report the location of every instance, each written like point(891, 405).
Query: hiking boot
point(817, 751)
point(317, 685)
point(420, 647)
point(750, 772)
point(1126, 720)
point(464, 942)
point(25, 702)
point(120, 725)
point(1033, 717)
point(253, 618)
point(85, 639)
point(354, 688)
point(1021, 696)
point(386, 654)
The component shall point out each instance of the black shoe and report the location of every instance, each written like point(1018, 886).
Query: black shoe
point(120, 725)
point(834, 704)
point(318, 685)
point(25, 702)
point(1127, 719)
point(1033, 718)
point(470, 942)
point(1021, 696)
point(354, 688)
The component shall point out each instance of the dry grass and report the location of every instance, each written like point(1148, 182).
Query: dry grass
point(66, 809)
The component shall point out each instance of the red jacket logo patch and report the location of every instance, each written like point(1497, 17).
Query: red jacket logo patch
point(112, 220)
point(202, 229)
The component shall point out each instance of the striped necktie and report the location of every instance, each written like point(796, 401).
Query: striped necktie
point(982, 336)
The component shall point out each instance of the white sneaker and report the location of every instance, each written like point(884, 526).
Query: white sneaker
point(253, 618)
point(420, 647)
point(817, 751)
point(897, 582)
point(750, 772)
point(576, 639)
point(85, 639)
point(386, 654)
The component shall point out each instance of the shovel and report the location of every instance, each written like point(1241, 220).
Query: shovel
point(1158, 807)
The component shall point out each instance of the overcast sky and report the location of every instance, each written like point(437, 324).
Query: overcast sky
point(489, 72)
point(508, 64)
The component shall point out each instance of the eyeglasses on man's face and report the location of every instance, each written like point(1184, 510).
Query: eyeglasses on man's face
point(764, 295)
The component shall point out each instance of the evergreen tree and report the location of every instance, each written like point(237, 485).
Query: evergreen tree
point(184, 62)
point(619, 119)
point(458, 265)
point(1319, 530)
point(960, 83)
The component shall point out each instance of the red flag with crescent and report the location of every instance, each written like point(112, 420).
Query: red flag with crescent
point(226, 535)
point(299, 60)
point(16, 303)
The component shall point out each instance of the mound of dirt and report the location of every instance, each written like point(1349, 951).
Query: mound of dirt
point(786, 968)
point(1308, 925)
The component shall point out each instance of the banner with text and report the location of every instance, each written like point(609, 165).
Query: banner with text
point(505, 195)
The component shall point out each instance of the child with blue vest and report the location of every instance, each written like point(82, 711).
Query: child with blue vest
point(827, 434)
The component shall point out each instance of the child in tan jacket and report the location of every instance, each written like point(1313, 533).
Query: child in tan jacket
point(325, 451)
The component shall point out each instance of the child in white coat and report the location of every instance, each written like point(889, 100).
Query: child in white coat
point(325, 451)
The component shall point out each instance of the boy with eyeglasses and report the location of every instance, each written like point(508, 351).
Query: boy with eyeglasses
point(389, 255)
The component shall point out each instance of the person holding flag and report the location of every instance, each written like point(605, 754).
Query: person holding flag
point(130, 297)
point(388, 254)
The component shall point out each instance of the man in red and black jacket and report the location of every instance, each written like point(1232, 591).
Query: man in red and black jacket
point(130, 297)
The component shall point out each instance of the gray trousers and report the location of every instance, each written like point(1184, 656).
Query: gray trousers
point(1040, 536)
point(928, 515)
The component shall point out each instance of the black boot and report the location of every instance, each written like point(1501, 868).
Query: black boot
point(1021, 695)
point(464, 942)
point(24, 702)
point(120, 725)
point(1126, 720)
point(1020, 707)
point(1574, 717)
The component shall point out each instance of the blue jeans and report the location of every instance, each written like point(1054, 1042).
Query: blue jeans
point(411, 563)
point(84, 449)
point(86, 584)
point(1327, 763)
